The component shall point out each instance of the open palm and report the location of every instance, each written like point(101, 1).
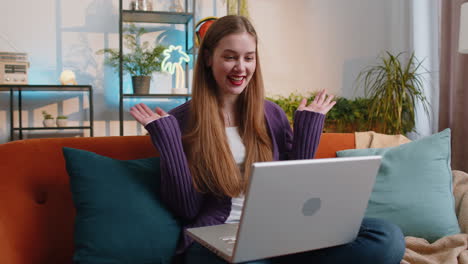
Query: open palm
point(322, 103)
point(144, 115)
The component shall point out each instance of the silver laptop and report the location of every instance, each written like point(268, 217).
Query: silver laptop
point(295, 206)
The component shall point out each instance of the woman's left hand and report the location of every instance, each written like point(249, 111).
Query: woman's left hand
point(322, 103)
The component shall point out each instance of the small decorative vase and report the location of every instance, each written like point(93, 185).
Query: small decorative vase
point(141, 84)
point(61, 122)
point(48, 123)
point(141, 5)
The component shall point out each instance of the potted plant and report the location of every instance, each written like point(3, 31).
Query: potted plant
point(394, 88)
point(62, 121)
point(348, 115)
point(48, 119)
point(140, 62)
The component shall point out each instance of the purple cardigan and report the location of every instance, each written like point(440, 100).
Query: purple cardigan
point(177, 190)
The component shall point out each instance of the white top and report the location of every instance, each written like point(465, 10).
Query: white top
point(238, 151)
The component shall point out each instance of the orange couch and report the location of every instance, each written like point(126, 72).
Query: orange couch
point(37, 213)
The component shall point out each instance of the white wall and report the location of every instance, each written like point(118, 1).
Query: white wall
point(305, 45)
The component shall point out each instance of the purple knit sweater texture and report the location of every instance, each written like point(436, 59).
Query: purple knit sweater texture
point(177, 190)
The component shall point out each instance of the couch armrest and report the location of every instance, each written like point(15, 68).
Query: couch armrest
point(6, 250)
point(460, 191)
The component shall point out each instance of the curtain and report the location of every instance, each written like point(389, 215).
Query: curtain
point(453, 104)
point(425, 35)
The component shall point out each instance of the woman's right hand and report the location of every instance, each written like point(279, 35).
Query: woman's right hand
point(144, 115)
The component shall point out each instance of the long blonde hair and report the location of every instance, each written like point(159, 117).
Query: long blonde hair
point(205, 142)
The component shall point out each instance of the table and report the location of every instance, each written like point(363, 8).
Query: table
point(19, 88)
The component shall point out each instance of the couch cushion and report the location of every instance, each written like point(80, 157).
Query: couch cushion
point(413, 188)
point(119, 218)
point(330, 143)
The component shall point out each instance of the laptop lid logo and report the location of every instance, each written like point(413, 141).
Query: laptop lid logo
point(311, 206)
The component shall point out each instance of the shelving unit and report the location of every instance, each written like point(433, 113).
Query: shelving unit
point(156, 17)
point(19, 88)
point(158, 95)
point(162, 17)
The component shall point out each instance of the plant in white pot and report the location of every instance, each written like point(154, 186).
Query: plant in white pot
point(62, 121)
point(142, 60)
point(48, 119)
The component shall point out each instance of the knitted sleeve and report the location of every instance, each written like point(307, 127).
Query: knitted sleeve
point(304, 141)
point(177, 190)
point(308, 127)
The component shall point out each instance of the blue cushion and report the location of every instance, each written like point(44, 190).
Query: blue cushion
point(119, 218)
point(413, 188)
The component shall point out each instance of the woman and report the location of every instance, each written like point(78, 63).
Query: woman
point(208, 144)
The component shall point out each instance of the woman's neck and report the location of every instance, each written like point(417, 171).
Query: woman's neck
point(230, 119)
point(229, 112)
point(229, 101)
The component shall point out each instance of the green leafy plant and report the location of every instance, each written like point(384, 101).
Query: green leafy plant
point(289, 104)
point(46, 115)
point(142, 60)
point(394, 88)
point(348, 115)
point(62, 117)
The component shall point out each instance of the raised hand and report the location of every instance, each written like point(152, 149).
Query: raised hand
point(322, 103)
point(144, 115)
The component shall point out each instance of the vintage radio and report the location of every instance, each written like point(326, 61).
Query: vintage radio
point(13, 68)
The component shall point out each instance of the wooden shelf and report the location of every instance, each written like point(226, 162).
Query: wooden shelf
point(50, 128)
point(55, 88)
point(157, 95)
point(156, 17)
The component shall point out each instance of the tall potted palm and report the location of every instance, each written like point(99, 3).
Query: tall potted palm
point(141, 60)
point(394, 87)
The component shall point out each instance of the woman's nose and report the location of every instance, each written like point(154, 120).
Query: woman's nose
point(240, 65)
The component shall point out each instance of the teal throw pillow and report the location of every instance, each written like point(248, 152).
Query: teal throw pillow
point(413, 188)
point(119, 217)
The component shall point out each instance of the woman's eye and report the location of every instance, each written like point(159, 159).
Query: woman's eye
point(249, 58)
point(229, 57)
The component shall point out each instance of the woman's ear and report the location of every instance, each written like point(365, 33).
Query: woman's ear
point(208, 58)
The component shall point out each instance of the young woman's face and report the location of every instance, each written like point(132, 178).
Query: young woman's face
point(233, 62)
